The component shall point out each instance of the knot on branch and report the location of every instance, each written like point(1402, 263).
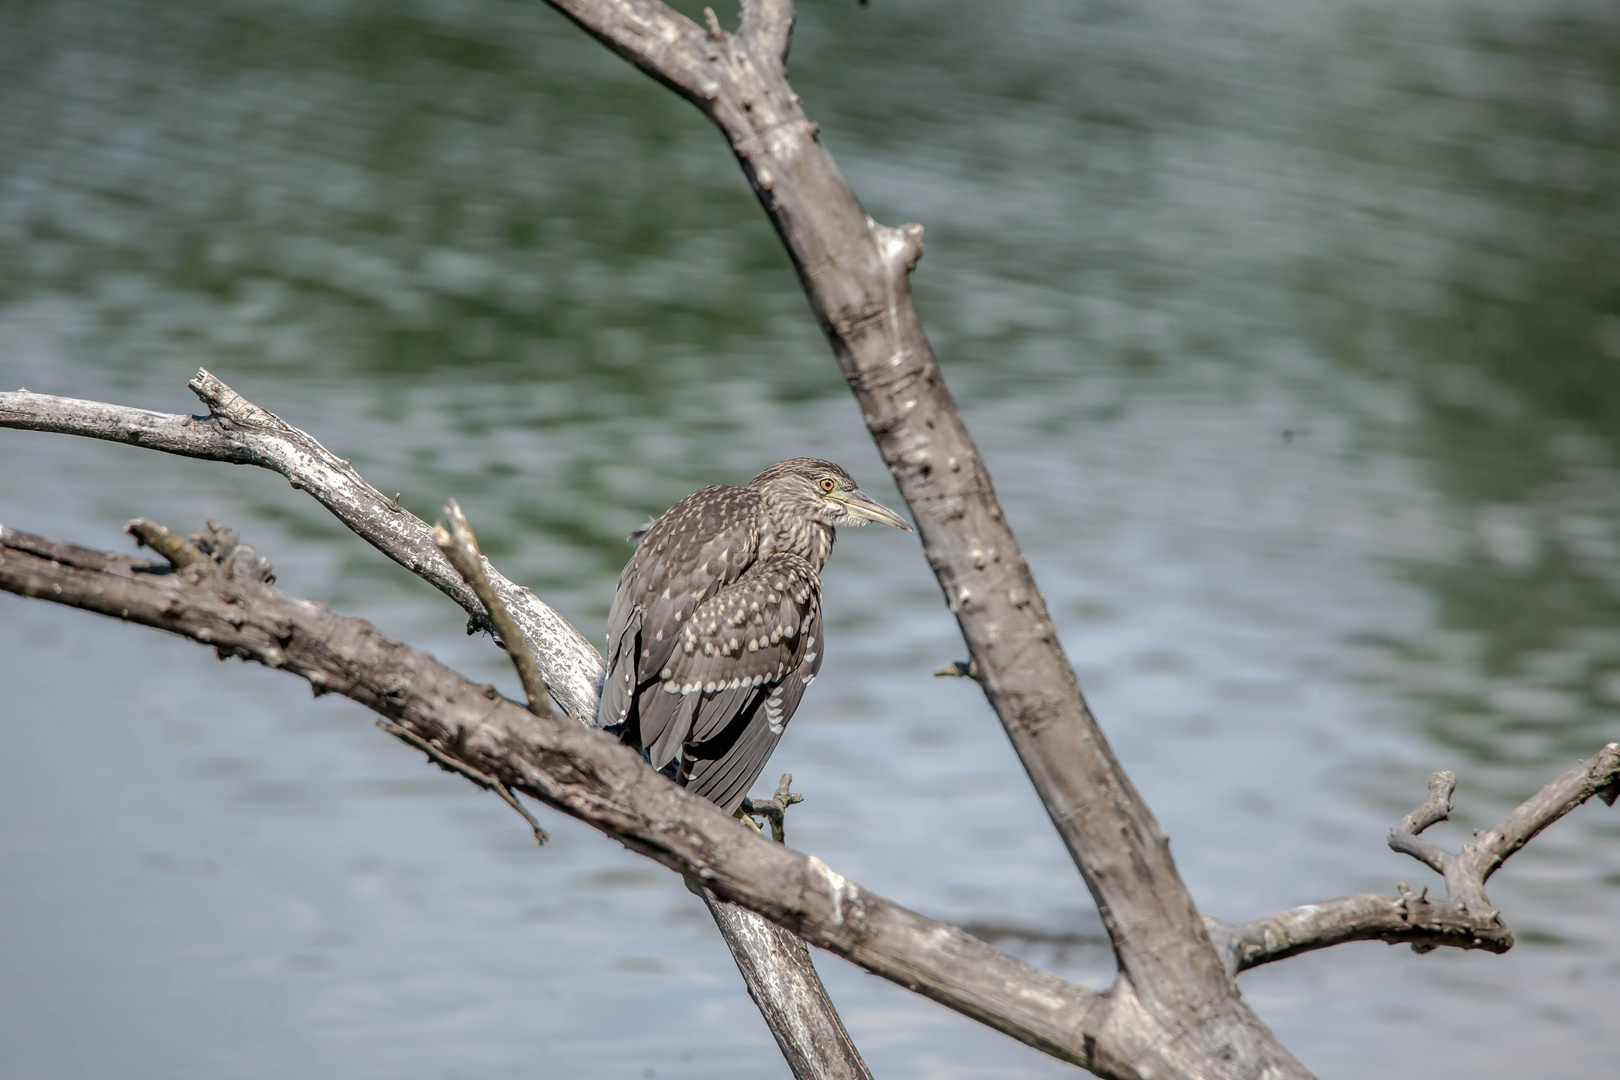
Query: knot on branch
point(213, 547)
point(900, 248)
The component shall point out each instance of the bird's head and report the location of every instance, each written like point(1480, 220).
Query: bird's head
point(824, 492)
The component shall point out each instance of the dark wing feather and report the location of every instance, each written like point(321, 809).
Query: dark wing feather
point(725, 779)
point(619, 684)
point(742, 641)
point(762, 637)
point(701, 544)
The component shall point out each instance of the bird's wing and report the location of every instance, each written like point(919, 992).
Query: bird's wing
point(724, 766)
point(701, 544)
point(733, 649)
point(738, 674)
point(724, 780)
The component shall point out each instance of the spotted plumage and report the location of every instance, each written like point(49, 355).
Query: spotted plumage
point(715, 631)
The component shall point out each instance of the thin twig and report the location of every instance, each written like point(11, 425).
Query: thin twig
point(460, 546)
point(180, 552)
point(482, 779)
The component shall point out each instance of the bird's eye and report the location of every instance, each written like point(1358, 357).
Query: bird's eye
point(827, 484)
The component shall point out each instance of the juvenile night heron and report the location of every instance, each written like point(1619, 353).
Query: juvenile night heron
point(716, 628)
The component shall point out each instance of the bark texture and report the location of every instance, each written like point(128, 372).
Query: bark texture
point(240, 432)
point(800, 1014)
point(566, 765)
point(855, 274)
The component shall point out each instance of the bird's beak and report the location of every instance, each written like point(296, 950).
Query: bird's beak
point(869, 509)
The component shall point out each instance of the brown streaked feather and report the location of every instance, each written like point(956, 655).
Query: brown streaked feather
point(725, 765)
point(739, 644)
point(676, 567)
point(715, 631)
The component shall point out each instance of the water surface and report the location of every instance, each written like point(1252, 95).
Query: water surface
point(1290, 334)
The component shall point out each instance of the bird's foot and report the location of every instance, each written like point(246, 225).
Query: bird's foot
point(773, 809)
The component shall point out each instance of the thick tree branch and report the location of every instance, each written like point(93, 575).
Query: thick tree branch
point(1465, 920)
point(854, 273)
point(460, 546)
point(241, 433)
point(580, 772)
point(789, 994)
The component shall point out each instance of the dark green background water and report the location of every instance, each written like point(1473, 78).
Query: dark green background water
point(1290, 333)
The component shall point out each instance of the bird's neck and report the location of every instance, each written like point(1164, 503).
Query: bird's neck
point(811, 541)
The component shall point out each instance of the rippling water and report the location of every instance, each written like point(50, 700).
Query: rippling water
point(1290, 333)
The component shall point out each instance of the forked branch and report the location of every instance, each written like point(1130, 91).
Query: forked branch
point(1465, 919)
point(581, 772)
point(241, 433)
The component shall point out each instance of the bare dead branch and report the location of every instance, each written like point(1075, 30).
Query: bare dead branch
point(855, 275)
point(460, 546)
point(241, 433)
point(767, 27)
point(1599, 776)
point(1436, 808)
point(582, 773)
point(774, 809)
point(483, 780)
point(173, 547)
point(1465, 920)
point(789, 994)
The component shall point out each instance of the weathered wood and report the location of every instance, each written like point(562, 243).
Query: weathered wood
point(239, 432)
point(1465, 919)
point(566, 765)
point(1174, 1010)
point(797, 1008)
point(855, 274)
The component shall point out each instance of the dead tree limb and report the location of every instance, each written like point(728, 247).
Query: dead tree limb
point(1174, 1011)
point(460, 546)
point(795, 1005)
point(240, 432)
point(855, 274)
point(1465, 919)
point(226, 602)
point(581, 772)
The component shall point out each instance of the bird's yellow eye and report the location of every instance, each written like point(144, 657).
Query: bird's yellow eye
point(827, 484)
